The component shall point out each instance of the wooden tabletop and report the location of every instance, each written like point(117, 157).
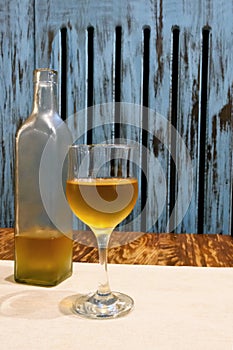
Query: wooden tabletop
point(147, 249)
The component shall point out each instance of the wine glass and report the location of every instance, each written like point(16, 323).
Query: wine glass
point(102, 190)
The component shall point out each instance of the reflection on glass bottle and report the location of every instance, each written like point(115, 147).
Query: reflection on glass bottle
point(43, 254)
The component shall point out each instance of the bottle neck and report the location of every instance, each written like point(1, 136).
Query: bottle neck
point(45, 100)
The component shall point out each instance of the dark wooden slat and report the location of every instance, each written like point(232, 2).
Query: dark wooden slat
point(167, 249)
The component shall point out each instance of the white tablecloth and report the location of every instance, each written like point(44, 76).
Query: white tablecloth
point(175, 308)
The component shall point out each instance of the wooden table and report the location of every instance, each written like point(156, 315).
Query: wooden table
point(146, 249)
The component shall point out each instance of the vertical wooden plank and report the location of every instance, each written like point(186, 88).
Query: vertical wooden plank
point(16, 85)
point(190, 27)
point(158, 118)
point(74, 71)
point(77, 84)
point(131, 22)
point(101, 16)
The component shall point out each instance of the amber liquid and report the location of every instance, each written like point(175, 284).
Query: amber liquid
point(103, 202)
point(42, 257)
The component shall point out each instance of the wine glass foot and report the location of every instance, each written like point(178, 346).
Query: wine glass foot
point(97, 306)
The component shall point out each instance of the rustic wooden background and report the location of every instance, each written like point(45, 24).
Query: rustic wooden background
point(173, 56)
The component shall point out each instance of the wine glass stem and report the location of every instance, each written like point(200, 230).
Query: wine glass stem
point(102, 242)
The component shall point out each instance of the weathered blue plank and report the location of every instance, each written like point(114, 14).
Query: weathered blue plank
point(16, 66)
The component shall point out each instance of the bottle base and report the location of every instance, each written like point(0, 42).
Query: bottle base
point(41, 283)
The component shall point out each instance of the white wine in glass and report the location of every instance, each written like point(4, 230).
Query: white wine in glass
point(102, 191)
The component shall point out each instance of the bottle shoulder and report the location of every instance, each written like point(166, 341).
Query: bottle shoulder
point(47, 124)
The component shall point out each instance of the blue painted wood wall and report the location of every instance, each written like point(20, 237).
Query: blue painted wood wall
point(173, 56)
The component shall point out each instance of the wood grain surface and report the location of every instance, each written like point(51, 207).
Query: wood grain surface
point(147, 249)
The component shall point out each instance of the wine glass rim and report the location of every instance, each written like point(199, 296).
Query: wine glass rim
point(105, 145)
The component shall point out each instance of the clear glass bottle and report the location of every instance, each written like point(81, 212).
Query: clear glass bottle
point(43, 250)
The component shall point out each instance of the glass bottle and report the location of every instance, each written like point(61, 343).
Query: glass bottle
point(43, 221)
